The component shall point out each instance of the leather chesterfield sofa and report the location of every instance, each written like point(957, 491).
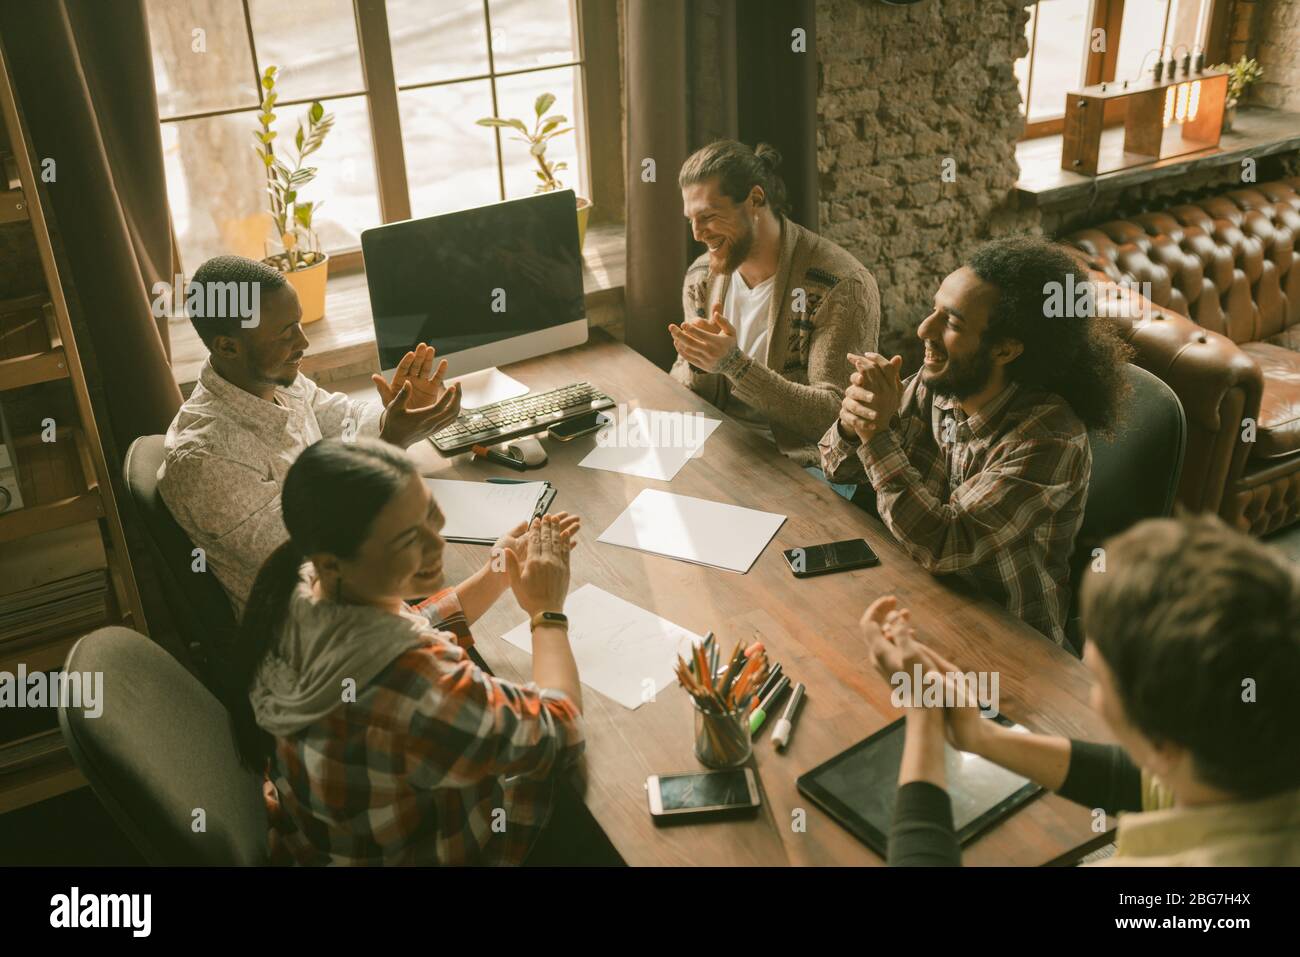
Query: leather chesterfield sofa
point(1223, 330)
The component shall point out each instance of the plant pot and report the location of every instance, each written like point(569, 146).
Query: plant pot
point(309, 284)
point(584, 210)
point(1229, 114)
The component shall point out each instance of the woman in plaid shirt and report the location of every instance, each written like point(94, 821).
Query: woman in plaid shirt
point(384, 742)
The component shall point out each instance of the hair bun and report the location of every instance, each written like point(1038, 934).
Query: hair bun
point(769, 154)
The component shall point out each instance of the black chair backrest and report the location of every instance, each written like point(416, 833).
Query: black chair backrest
point(161, 756)
point(196, 600)
point(1135, 473)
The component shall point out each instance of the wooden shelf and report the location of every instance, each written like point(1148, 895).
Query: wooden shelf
point(54, 776)
point(30, 348)
point(56, 486)
point(13, 206)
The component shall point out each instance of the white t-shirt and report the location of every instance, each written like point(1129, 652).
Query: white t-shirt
point(746, 310)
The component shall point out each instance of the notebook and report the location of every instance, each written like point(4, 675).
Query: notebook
point(479, 513)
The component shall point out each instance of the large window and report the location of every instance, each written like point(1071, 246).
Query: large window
point(405, 79)
point(1075, 43)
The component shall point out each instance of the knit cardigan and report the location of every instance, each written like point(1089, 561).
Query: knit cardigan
point(824, 304)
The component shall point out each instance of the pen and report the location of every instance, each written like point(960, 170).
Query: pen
point(773, 677)
point(759, 714)
point(781, 733)
point(483, 452)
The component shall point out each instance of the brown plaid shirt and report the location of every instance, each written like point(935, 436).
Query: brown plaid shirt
point(436, 762)
point(995, 498)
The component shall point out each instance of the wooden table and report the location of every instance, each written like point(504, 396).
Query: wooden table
point(809, 625)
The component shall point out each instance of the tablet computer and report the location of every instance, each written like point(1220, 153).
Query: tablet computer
point(857, 787)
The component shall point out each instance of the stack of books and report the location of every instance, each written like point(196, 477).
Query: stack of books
point(57, 607)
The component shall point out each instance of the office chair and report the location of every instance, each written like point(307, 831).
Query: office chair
point(1135, 475)
point(160, 751)
point(197, 601)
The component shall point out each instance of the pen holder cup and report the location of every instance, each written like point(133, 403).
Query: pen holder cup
point(722, 740)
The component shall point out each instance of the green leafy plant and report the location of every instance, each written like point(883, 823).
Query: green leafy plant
point(545, 128)
point(1240, 76)
point(292, 216)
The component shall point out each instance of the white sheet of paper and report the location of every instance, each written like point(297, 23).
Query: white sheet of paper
point(483, 511)
point(693, 530)
point(622, 650)
point(650, 444)
point(486, 386)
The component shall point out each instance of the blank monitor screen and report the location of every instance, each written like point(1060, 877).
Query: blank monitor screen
point(475, 277)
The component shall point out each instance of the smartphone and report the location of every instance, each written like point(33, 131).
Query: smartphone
point(813, 560)
point(679, 797)
point(582, 425)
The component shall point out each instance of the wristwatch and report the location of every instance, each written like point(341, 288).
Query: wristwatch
point(554, 618)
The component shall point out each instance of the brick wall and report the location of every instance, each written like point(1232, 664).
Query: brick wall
point(1278, 51)
point(903, 92)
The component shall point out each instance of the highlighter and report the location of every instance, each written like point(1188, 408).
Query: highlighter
point(759, 714)
point(781, 733)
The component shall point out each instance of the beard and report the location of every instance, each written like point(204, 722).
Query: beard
point(738, 249)
point(963, 377)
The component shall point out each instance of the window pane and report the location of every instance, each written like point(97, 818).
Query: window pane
point(530, 33)
point(451, 163)
point(1139, 38)
point(515, 98)
point(346, 180)
point(216, 186)
point(1059, 55)
point(1184, 33)
point(439, 41)
point(201, 59)
point(1021, 66)
point(313, 42)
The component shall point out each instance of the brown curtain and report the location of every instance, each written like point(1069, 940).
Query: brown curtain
point(84, 77)
point(699, 70)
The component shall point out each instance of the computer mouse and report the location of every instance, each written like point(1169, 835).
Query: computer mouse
point(528, 450)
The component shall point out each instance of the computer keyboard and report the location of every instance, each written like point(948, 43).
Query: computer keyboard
point(522, 416)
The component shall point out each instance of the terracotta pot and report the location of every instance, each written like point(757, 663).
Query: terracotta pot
point(584, 210)
point(309, 284)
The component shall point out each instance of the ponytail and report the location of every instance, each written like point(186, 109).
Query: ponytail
point(264, 616)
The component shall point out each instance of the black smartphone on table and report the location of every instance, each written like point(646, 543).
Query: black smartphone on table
point(809, 560)
point(582, 425)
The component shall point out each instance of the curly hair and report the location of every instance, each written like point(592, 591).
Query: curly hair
point(1079, 358)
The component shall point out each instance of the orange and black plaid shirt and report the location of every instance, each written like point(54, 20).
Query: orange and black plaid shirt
point(436, 762)
point(995, 499)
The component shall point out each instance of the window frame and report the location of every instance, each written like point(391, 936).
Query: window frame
point(597, 94)
point(1099, 66)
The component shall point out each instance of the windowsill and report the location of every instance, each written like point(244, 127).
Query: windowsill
point(1257, 132)
point(343, 342)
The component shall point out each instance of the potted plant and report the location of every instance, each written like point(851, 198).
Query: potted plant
point(545, 128)
point(1240, 76)
point(301, 259)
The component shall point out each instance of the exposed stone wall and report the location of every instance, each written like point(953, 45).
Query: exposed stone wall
point(1278, 52)
point(904, 93)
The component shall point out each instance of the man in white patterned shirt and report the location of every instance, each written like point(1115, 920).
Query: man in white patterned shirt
point(252, 412)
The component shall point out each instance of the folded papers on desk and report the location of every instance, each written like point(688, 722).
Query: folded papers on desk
point(622, 650)
point(693, 530)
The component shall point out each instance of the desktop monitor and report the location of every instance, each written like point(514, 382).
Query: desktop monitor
point(483, 286)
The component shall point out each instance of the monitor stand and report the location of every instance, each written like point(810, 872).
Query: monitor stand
point(487, 386)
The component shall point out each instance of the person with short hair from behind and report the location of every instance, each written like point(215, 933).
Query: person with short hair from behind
point(980, 461)
point(770, 308)
point(1193, 641)
point(252, 412)
point(385, 743)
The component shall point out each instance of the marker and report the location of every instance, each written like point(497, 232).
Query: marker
point(781, 733)
point(759, 714)
point(773, 677)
